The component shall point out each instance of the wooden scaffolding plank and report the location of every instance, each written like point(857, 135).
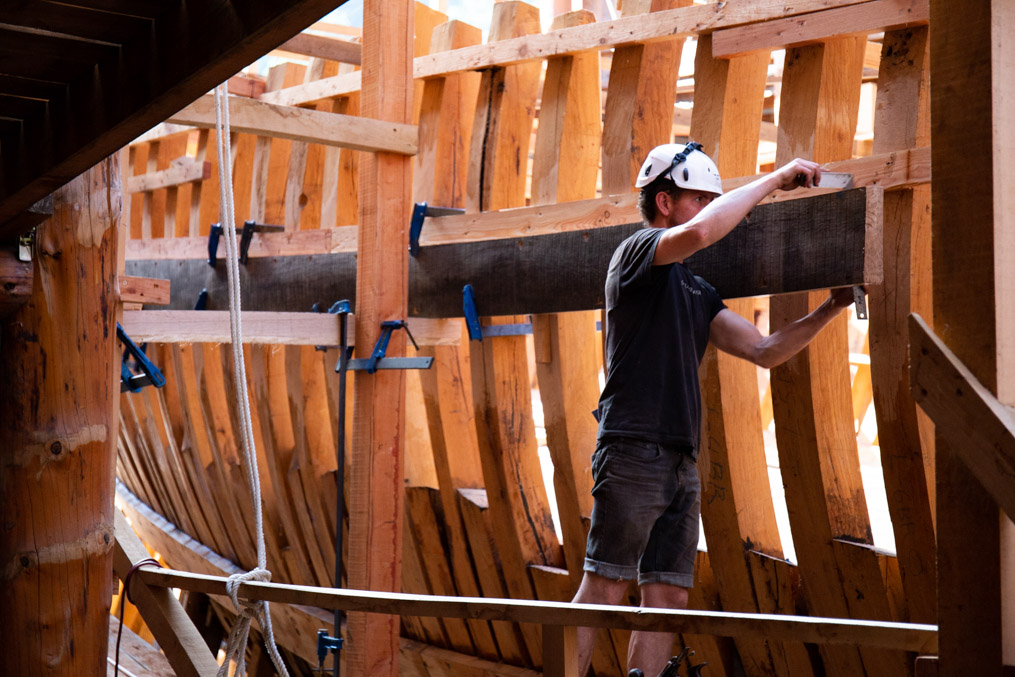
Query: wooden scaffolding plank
point(811, 395)
point(376, 510)
point(901, 120)
point(737, 510)
point(972, 71)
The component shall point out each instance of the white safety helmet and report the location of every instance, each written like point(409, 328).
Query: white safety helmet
point(686, 165)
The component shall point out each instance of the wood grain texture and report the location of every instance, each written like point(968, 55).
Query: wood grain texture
point(182, 170)
point(16, 280)
point(58, 417)
point(376, 510)
point(972, 311)
point(870, 17)
point(902, 112)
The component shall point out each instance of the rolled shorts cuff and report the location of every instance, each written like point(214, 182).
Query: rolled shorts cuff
point(682, 580)
point(616, 572)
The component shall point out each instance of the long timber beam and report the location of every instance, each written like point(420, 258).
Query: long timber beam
point(301, 124)
point(893, 170)
point(815, 243)
point(663, 25)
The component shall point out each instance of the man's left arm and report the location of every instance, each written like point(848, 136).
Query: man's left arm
point(733, 334)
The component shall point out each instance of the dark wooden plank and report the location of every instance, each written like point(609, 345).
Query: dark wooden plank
point(83, 22)
point(562, 272)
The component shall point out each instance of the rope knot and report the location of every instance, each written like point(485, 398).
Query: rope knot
point(247, 607)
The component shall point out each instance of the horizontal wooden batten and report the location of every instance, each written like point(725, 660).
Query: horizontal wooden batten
point(181, 170)
point(870, 17)
point(566, 271)
point(323, 47)
point(888, 170)
point(301, 124)
point(663, 25)
point(144, 290)
point(320, 241)
point(903, 636)
point(305, 329)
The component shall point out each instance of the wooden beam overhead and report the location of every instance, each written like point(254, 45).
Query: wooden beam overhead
point(665, 25)
point(116, 91)
point(870, 17)
point(322, 47)
point(301, 124)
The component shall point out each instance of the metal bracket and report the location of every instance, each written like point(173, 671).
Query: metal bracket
point(202, 300)
point(377, 360)
point(25, 243)
point(860, 299)
point(246, 236)
point(150, 373)
point(477, 331)
point(327, 644)
point(420, 211)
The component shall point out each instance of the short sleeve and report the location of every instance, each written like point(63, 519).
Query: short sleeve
point(715, 302)
point(632, 262)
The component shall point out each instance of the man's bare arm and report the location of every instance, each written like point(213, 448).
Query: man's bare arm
point(733, 334)
point(713, 222)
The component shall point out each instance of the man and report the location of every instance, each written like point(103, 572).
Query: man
point(660, 318)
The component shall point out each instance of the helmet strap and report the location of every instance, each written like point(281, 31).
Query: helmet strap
point(682, 156)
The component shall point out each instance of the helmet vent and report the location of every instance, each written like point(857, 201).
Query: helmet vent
point(686, 174)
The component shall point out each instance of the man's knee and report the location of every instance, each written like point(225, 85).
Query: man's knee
point(664, 595)
point(596, 589)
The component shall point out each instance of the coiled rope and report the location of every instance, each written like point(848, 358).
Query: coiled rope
point(246, 609)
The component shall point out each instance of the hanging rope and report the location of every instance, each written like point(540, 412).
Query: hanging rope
point(246, 610)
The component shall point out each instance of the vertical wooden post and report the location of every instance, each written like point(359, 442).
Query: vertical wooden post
point(376, 501)
point(902, 121)
point(973, 76)
point(560, 651)
point(58, 421)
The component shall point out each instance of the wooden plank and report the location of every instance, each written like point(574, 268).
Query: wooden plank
point(869, 17)
point(893, 170)
point(182, 170)
point(323, 47)
point(973, 537)
point(566, 271)
point(811, 395)
point(58, 419)
point(376, 510)
point(564, 169)
point(16, 280)
point(560, 648)
point(310, 329)
point(143, 290)
point(902, 120)
point(163, 613)
point(300, 124)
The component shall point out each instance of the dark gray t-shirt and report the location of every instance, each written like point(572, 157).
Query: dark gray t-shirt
point(657, 320)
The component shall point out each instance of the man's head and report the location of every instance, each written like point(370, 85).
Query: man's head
point(669, 173)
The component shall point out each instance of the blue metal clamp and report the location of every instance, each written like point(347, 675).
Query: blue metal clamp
point(420, 211)
point(327, 644)
point(134, 382)
point(246, 237)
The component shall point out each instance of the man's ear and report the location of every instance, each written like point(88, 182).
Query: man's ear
point(664, 203)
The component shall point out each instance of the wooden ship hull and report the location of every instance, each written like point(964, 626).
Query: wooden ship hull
point(536, 137)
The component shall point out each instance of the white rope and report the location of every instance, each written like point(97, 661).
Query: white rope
point(245, 609)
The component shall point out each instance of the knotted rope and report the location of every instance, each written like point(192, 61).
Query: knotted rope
point(245, 609)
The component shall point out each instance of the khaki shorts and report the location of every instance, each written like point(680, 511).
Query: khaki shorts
point(645, 514)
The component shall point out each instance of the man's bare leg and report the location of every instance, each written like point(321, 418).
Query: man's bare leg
point(651, 650)
point(595, 589)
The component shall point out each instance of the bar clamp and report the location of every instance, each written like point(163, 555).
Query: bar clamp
point(246, 237)
point(420, 211)
point(477, 331)
point(150, 374)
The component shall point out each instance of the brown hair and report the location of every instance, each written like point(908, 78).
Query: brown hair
point(647, 199)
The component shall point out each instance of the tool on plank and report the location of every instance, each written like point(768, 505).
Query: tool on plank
point(842, 181)
point(246, 237)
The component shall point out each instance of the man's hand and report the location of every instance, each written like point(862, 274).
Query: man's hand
point(798, 173)
point(841, 297)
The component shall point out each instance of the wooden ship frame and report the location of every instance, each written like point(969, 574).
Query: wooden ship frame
point(535, 137)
